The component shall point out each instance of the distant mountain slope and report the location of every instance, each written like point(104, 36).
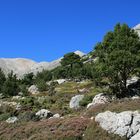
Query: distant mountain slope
point(137, 28)
point(21, 66)
point(18, 65)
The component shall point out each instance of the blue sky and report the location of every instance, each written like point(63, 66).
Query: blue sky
point(44, 30)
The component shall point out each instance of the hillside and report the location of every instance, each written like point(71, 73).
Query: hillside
point(22, 66)
point(94, 96)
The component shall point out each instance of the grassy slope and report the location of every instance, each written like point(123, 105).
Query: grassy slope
point(76, 125)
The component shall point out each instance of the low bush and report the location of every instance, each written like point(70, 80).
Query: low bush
point(4, 116)
point(86, 100)
point(28, 116)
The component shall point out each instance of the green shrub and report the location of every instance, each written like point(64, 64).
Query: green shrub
point(86, 100)
point(4, 116)
point(11, 85)
point(24, 90)
point(45, 75)
point(29, 101)
point(28, 116)
point(2, 79)
point(41, 85)
point(28, 79)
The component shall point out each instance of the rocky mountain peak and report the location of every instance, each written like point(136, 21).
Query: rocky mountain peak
point(137, 27)
point(21, 66)
point(81, 54)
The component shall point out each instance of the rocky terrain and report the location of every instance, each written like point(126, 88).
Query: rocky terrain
point(77, 97)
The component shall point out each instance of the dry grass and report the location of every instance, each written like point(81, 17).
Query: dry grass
point(95, 132)
point(53, 129)
point(116, 106)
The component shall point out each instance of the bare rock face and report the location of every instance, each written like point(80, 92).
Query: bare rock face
point(126, 123)
point(132, 80)
point(81, 54)
point(12, 120)
point(99, 99)
point(33, 89)
point(137, 29)
point(21, 66)
point(74, 103)
point(44, 113)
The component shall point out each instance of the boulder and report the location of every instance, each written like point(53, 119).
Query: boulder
point(20, 93)
point(132, 80)
point(84, 90)
point(56, 115)
point(12, 120)
point(74, 102)
point(126, 123)
point(18, 106)
point(135, 97)
point(33, 89)
point(16, 97)
point(44, 113)
point(99, 99)
point(12, 104)
point(61, 81)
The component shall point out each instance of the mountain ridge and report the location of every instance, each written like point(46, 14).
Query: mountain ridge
point(22, 66)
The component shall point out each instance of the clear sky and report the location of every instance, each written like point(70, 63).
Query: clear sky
point(44, 30)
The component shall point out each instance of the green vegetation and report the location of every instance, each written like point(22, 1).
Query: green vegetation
point(119, 57)
point(2, 80)
point(10, 85)
point(86, 100)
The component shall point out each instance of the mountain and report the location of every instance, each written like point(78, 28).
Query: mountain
point(137, 28)
point(21, 66)
point(18, 65)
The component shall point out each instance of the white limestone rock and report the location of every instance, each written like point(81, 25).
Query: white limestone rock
point(16, 97)
point(74, 102)
point(61, 81)
point(55, 116)
point(12, 120)
point(99, 99)
point(135, 97)
point(44, 113)
point(132, 81)
point(83, 90)
point(136, 137)
point(126, 123)
point(33, 89)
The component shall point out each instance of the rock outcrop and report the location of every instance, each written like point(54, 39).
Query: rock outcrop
point(74, 102)
point(44, 113)
point(99, 99)
point(132, 80)
point(126, 123)
point(12, 120)
point(33, 89)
